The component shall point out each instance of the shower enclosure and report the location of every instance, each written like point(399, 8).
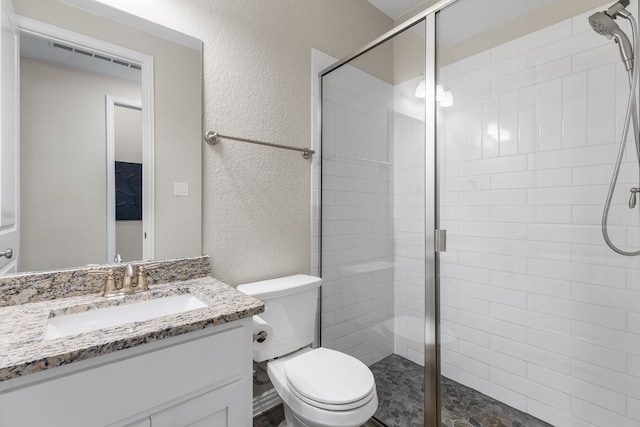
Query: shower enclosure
point(467, 160)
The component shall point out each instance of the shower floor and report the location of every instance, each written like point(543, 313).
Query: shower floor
point(401, 399)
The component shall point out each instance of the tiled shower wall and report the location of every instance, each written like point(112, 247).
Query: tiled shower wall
point(357, 215)
point(536, 310)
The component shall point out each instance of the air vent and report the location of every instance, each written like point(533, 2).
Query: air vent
point(97, 56)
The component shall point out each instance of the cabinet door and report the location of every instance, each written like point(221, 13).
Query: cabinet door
point(146, 422)
point(222, 407)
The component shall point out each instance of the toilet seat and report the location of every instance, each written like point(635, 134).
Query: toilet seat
point(311, 412)
point(331, 380)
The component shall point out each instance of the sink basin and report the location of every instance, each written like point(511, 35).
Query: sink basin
point(100, 318)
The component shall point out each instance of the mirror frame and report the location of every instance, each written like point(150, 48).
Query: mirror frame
point(70, 38)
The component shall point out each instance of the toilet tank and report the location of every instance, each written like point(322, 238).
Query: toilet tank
point(290, 309)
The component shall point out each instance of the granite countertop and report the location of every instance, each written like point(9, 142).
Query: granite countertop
point(24, 350)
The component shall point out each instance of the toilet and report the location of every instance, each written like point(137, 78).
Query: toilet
point(319, 387)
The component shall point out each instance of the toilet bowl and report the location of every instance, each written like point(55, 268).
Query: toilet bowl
point(319, 387)
point(322, 387)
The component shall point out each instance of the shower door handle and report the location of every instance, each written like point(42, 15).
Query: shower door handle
point(440, 240)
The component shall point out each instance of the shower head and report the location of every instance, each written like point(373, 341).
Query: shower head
point(602, 23)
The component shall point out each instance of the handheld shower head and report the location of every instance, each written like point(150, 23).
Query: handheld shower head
point(604, 24)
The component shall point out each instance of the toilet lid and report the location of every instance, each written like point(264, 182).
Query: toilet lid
point(329, 377)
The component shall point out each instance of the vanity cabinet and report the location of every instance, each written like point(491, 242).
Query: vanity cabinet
point(201, 378)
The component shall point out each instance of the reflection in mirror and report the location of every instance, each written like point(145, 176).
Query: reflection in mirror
point(67, 165)
point(67, 215)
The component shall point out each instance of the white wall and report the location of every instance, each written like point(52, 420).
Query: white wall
point(536, 310)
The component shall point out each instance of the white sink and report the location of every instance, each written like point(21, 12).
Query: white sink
point(100, 318)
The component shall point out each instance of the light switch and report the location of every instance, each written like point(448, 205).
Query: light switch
point(180, 189)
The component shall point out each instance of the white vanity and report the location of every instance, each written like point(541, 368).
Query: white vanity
point(188, 368)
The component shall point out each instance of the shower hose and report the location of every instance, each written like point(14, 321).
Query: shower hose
point(630, 119)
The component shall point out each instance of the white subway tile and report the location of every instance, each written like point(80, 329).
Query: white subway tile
point(490, 127)
point(531, 319)
point(462, 302)
point(492, 293)
point(612, 380)
point(597, 57)
point(569, 309)
point(601, 175)
point(582, 389)
point(574, 157)
point(585, 273)
point(464, 66)
point(577, 350)
point(548, 359)
point(550, 115)
point(623, 299)
point(566, 47)
point(470, 243)
point(461, 332)
point(532, 284)
point(531, 389)
point(494, 358)
point(554, 416)
point(633, 365)
point(465, 363)
point(527, 120)
point(513, 264)
point(473, 130)
point(536, 214)
point(532, 179)
point(508, 123)
point(569, 233)
point(607, 337)
point(493, 326)
point(461, 272)
point(574, 110)
point(601, 106)
point(530, 76)
point(504, 395)
point(633, 408)
point(599, 415)
point(494, 70)
point(528, 248)
point(567, 195)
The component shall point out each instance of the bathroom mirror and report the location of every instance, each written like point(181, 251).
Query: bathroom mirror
point(67, 214)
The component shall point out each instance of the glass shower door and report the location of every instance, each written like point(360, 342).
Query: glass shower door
point(373, 233)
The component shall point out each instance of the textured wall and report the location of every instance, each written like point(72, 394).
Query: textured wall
point(257, 68)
